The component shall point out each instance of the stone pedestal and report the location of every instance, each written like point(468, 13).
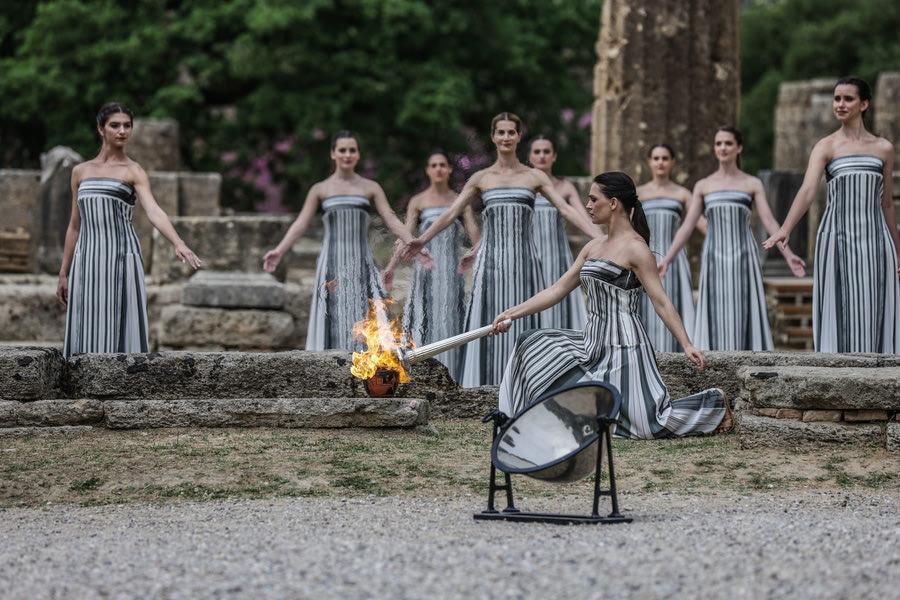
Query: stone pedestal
point(666, 72)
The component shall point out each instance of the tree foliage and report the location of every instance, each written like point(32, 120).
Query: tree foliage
point(259, 85)
point(789, 40)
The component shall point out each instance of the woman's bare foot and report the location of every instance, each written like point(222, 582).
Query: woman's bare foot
point(727, 423)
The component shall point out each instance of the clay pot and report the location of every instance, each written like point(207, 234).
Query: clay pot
point(383, 383)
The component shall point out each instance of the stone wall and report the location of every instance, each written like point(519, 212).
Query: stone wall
point(666, 71)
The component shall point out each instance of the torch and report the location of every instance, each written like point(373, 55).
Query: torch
point(411, 356)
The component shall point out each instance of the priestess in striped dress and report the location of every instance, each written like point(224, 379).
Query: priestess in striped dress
point(435, 301)
point(507, 268)
point(346, 275)
point(856, 292)
point(551, 239)
point(101, 280)
point(731, 305)
point(663, 202)
point(613, 347)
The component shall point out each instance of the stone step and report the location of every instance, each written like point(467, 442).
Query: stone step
point(757, 432)
point(822, 388)
point(226, 412)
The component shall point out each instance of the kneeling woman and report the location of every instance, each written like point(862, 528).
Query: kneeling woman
point(613, 346)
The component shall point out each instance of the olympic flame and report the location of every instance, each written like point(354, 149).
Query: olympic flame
point(383, 338)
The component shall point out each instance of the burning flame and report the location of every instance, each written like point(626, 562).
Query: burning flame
point(382, 337)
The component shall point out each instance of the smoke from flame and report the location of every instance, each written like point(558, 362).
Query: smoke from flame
point(382, 336)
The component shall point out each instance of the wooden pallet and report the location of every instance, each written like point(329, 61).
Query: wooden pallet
point(790, 300)
point(14, 244)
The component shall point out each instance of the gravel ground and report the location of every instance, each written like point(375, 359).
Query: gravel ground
point(797, 545)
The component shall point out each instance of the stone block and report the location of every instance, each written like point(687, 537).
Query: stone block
point(56, 205)
point(54, 413)
point(211, 375)
point(9, 411)
point(31, 312)
point(758, 432)
point(865, 415)
point(182, 326)
point(823, 388)
point(788, 413)
point(803, 116)
point(198, 194)
point(20, 206)
point(886, 105)
point(155, 144)
point(268, 412)
point(893, 437)
point(165, 191)
point(830, 416)
point(223, 244)
point(230, 289)
point(29, 373)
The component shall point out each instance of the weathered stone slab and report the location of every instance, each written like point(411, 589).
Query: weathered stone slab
point(233, 289)
point(155, 144)
point(198, 194)
point(30, 311)
point(56, 205)
point(268, 412)
point(211, 375)
point(29, 373)
point(20, 206)
point(54, 413)
point(893, 437)
point(223, 244)
point(232, 328)
point(800, 387)
point(758, 432)
point(683, 379)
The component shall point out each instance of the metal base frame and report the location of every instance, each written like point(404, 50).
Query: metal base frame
point(511, 513)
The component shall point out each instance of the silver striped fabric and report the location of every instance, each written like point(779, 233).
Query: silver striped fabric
point(731, 304)
point(507, 271)
point(107, 310)
point(664, 218)
point(556, 258)
point(856, 293)
point(435, 303)
point(613, 347)
point(346, 275)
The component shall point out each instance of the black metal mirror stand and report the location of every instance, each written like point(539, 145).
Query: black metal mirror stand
point(511, 513)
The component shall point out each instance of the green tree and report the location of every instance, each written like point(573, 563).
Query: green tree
point(259, 85)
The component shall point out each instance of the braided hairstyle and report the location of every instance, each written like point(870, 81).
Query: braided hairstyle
point(616, 184)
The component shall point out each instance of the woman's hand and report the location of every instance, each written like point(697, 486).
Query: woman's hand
point(466, 261)
point(501, 323)
point(696, 356)
point(779, 238)
point(62, 290)
point(662, 267)
point(271, 260)
point(796, 264)
point(186, 255)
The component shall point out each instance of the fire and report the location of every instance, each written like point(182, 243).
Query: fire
point(382, 337)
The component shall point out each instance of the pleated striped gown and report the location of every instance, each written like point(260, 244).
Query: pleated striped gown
point(731, 304)
point(435, 304)
point(856, 294)
point(614, 348)
point(107, 308)
point(507, 272)
point(664, 218)
point(346, 275)
point(556, 258)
